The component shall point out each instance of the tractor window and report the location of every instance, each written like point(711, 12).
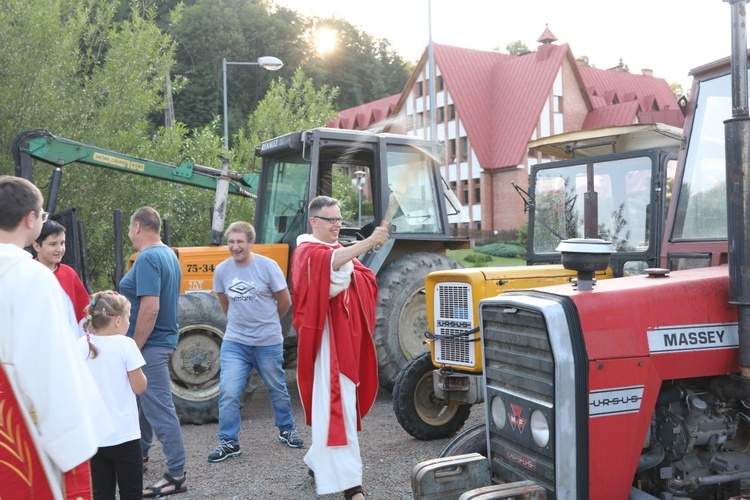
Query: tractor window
point(412, 204)
point(285, 187)
point(623, 188)
point(702, 206)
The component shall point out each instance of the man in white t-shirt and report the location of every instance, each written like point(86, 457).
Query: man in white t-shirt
point(253, 293)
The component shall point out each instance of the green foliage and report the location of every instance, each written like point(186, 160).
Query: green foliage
point(94, 71)
point(517, 48)
point(478, 259)
point(41, 67)
point(346, 192)
point(285, 109)
point(500, 249)
point(619, 235)
point(677, 90)
point(238, 31)
point(522, 240)
point(556, 209)
point(461, 254)
point(365, 68)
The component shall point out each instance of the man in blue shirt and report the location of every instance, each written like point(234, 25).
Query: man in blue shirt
point(153, 287)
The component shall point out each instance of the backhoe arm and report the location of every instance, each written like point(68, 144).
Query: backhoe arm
point(60, 152)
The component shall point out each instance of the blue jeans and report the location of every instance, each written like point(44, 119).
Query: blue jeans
point(156, 410)
point(236, 362)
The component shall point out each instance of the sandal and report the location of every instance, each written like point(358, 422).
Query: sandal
point(178, 486)
point(352, 492)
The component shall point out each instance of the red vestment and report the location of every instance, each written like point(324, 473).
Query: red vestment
point(71, 283)
point(21, 470)
point(351, 321)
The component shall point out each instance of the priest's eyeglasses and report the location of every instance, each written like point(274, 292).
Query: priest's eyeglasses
point(330, 220)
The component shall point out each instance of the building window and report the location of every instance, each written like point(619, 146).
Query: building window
point(418, 121)
point(450, 151)
point(465, 192)
point(557, 104)
point(439, 115)
point(439, 83)
point(463, 149)
point(450, 112)
point(420, 89)
point(477, 194)
point(453, 186)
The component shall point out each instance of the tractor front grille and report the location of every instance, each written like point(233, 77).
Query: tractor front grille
point(519, 369)
point(454, 316)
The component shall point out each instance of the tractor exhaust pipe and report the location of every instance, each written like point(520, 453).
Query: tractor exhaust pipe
point(737, 144)
point(737, 136)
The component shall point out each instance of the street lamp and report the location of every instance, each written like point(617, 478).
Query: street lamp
point(360, 180)
point(269, 63)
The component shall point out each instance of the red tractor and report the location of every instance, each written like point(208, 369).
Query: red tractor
point(637, 387)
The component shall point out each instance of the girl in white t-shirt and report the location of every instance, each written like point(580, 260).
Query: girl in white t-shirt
point(115, 363)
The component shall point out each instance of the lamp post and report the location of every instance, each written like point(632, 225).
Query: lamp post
point(360, 180)
point(269, 63)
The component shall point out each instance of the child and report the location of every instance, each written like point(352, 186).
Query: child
point(115, 363)
point(50, 248)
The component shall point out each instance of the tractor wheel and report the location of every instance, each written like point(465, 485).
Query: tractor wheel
point(417, 410)
point(402, 313)
point(471, 440)
point(194, 365)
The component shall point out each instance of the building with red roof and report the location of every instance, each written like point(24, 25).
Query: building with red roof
point(488, 106)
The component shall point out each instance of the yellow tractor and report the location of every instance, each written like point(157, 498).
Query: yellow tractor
point(615, 184)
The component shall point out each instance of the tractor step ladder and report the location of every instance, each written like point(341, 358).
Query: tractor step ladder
point(448, 477)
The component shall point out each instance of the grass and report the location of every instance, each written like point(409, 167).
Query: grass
point(461, 254)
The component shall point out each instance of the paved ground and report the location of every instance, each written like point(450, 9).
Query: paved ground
point(268, 469)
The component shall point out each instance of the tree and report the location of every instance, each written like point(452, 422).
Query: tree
point(677, 89)
point(285, 109)
point(362, 67)
point(238, 31)
point(76, 69)
point(346, 192)
point(517, 48)
point(69, 68)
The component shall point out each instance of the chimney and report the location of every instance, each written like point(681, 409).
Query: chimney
point(647, 72)
point(546, 41)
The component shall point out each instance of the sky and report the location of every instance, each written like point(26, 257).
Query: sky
point(670, 37)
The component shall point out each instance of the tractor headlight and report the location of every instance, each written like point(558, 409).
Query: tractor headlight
point(497, 410)
point(539, 428)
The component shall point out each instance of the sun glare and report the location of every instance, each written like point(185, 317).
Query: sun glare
point(325, 40)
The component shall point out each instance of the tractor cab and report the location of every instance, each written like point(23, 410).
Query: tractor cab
point(397, 176)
